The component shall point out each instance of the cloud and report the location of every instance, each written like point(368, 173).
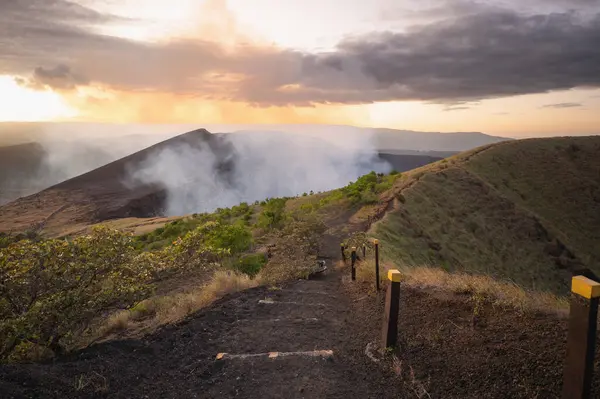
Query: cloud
point(563, 105)
point(59, 78)
point(452, 108)
point(487, 53)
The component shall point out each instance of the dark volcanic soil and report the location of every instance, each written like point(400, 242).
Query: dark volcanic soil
point(506, 355)
point(179, 361)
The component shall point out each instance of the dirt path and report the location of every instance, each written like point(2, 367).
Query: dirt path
point(180, 361)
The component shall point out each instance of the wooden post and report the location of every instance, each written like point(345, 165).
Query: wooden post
point(581, 339)
point(389, 333)
point(353, 257)
point(377, 263)
point(364, 251)
point(343, 253)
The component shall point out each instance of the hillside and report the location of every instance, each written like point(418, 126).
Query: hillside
point(391, 139)
point(36, 156)
point(102, 194)
point(526, 211)
point(18, 163)
point(176, 176)
point(275, 324)
point(28, 168)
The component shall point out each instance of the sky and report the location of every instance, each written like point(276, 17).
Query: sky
point(508, 68)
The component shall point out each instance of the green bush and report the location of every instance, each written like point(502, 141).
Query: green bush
point(7, 239)
point(52, 289)
point(234, 238)
point(364, 184)
point(241, 209)
point(251, 264)
point(273, 213)
point(366, 188)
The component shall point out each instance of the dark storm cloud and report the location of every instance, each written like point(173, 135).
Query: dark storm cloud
point(484, 54)
point(563, 105)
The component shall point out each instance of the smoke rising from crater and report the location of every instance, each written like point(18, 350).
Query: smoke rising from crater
point(250, 166)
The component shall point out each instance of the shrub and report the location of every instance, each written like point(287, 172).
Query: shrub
point(296, 247)
point(366, 188)
point(251, 264)
point(206, 245)
point(51, 289)
point(234, 238)
point(6, 238)
point(273, 213)
point(241, 209)
point(363, 185)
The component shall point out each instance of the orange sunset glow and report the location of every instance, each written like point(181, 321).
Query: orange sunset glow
point(208, 62)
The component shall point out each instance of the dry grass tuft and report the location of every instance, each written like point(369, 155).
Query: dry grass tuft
point(338, 265)
point(117, 322)
point(365, 271)
point(166, 309)
point(498, 292)
point(173, 308)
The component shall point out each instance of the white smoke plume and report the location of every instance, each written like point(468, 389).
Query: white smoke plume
point(265, 165)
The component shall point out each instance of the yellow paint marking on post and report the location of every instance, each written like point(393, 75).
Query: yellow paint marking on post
point(375, 241)
point(394, 275)
point(220, 356)
point(273, 355)
point(585, 287)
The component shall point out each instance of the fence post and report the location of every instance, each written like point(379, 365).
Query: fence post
point(581, 339)
point(353, 257)
point(364, 251)
point(376, 242)
point(343, 253)
point(389, 336)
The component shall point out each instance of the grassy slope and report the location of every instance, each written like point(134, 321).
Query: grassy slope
point(528, 211)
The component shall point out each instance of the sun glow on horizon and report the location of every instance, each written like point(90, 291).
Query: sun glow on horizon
point(28, 105)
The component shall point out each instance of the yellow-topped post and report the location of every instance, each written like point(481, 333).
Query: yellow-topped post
point(585, 287)
point(389, 332)
point(581, 339)
point(343, 247)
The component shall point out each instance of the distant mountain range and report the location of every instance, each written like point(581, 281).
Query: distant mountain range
point(48, 154)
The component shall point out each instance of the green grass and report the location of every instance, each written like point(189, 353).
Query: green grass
point(525, 211)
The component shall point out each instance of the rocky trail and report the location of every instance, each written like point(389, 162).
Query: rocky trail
point(300, 341)
point(310, 339)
